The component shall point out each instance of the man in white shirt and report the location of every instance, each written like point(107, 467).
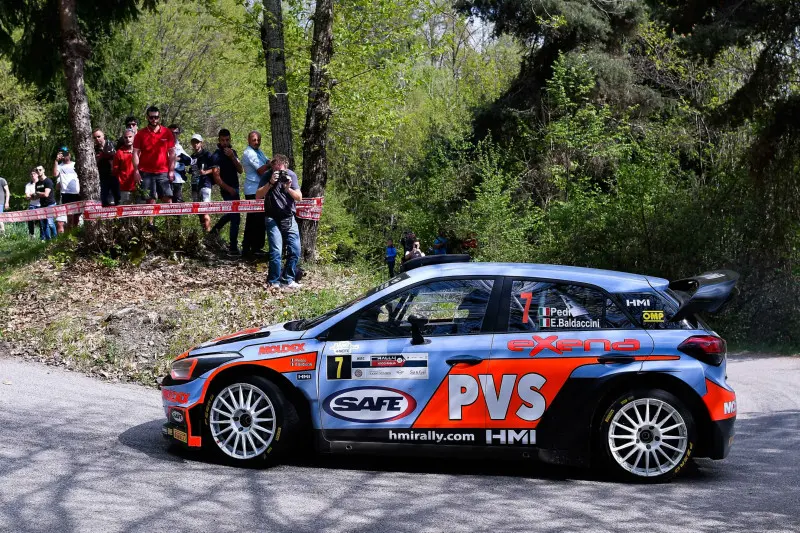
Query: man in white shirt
point(67, 180)
point(33, 199)
point(255, 165)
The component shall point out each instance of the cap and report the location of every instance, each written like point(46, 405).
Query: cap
point(197, 137)
point(64, 149)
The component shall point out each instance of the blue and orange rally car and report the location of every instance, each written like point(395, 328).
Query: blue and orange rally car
point(572, 365)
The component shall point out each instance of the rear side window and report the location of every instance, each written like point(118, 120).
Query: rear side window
point(652, 310)
point(547, 306)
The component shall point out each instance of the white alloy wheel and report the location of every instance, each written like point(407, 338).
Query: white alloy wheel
point(242, 421)
point(648, 437)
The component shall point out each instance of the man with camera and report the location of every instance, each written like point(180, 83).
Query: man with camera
point(281, 193)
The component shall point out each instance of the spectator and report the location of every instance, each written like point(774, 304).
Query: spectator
point(407, 242)
point(33, 199)
point(181, 160)
point(281, 193)
point(255, 165)
point(154, 159)
point(5, 195)
point(104, 154)
point(70, 187)
point(202, 171)
point(391, 256)
point(415, 251)
point(226, 175)
point(440, 243)
point(122, 167)
point(130, 124)
point(45, 190)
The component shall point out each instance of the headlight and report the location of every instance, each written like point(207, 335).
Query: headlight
point(182, 369)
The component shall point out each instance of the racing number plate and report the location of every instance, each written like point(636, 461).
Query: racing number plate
point(339, 367)
point(180, 435)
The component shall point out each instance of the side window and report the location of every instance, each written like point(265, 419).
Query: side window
point(452, 307)
point(652, 310)
point(545, 306)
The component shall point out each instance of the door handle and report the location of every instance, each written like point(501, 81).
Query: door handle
point(615, 359)
point(465, 359)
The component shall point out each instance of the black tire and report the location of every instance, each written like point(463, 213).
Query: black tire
point(653, 440)
point(284, 431)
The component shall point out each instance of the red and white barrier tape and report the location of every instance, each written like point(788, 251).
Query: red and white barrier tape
point(308, 208)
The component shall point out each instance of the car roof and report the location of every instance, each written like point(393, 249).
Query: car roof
point(609, 280)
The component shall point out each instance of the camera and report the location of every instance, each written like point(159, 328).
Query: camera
point(283, 176)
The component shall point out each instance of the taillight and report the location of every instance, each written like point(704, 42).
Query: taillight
point(706, 348)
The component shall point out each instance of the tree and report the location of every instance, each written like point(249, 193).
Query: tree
point(318, 113)
point(275, 56)
point(33, 56)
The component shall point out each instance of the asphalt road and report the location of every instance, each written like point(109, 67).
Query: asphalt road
point(77, 454)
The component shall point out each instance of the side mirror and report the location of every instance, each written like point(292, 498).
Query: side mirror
point(416, 329)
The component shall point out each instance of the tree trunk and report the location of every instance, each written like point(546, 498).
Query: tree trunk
point(318, 113)
point(280, 119)
point(74, 52)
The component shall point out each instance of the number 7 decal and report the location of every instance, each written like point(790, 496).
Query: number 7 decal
point(528, 297)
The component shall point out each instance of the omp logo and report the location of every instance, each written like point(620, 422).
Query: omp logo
point(463, 391)
point(729, 407)
point(511, 436)
point(369, 404)
point(281, 348)
point(652, 316)
point(638, 303)
point(559, 346)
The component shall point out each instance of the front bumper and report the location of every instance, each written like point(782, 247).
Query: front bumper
point(721, 438)
point(179, 427)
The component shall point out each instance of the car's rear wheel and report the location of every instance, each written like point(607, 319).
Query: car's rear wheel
point(647, 436)
point(248, 421)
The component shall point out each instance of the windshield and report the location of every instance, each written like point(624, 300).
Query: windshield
point(313, 322)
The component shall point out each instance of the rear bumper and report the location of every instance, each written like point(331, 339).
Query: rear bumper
point(720, 438)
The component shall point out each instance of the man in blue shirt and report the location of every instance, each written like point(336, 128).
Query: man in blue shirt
point(391, 256)
point(440, 244)
point(281, 193)
point(255, 165)
point(228, 168)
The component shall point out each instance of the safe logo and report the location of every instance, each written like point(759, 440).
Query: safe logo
point(463, 391)
point(559, 346)
point(369, 404)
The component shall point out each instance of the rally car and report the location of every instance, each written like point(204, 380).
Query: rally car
point(571, 365)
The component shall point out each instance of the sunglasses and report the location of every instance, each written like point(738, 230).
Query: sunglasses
point(132, 124)
point(39, 169)
point(153, 117)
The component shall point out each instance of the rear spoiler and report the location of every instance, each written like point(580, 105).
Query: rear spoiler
point(707, 292)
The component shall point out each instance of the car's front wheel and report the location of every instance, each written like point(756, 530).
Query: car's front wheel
point(647, 435)
point(248, 421)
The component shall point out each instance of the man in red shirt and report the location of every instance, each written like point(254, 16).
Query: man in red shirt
point(154, 158)
point(122, 167)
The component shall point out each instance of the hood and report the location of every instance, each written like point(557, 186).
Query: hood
point(242, 339)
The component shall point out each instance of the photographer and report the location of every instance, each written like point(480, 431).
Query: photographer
point(280, 194)
point(67, 180)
